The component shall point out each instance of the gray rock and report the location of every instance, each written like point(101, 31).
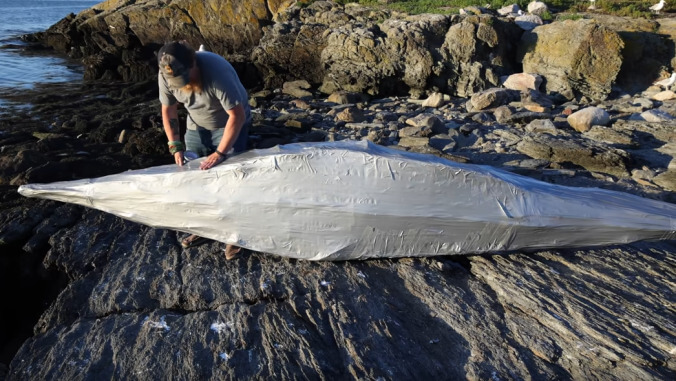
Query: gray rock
point(508, 9)
point(609, 136)
point(537, 8)
point(594, 158)
point(413, 141)
point(502, 114)
point(351, 115)
point(287, 49)
point(427, 121)
point(542, 126)
point(482, 117)
point(297, 88)
point(528, 22)
point(561, 53)
point(655, 116)
point(493, 97)
point(476, 53)
point(666, 180)
point(416, 131)
point(633, 105)
point(442, 142)
point(435, 100)
point(643, 173)
point(533, 100)
point(169, 313)
point(664, 95)
point(345, 97)
point(525, 117)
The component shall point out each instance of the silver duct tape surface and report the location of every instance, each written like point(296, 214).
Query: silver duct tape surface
point(357, 200)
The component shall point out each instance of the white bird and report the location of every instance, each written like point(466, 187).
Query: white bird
point(658, 7)
point(666, 82)
point(201, 49)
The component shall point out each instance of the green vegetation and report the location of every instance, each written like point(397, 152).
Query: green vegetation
point(569, 16)
point(434, 6)
point(629, 8)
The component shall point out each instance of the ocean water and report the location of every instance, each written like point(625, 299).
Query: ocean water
point(17, 17)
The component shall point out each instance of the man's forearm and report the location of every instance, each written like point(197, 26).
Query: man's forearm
point(236, 120)
point(230, 134)
point(170, 123)
point(174, 130)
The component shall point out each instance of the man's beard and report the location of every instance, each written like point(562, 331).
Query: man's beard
point(193, 85)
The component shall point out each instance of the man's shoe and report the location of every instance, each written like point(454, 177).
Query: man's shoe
point(192, 240)
point(231, 251)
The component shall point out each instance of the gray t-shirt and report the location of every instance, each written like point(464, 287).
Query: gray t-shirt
point(221, 91)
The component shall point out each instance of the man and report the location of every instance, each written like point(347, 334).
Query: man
point(217, 104)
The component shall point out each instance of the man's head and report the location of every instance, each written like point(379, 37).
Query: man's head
point(175, 60)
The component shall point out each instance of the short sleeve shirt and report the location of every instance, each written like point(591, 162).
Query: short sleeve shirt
point(221, 91)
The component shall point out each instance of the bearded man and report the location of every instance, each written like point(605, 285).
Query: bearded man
point(218, 109)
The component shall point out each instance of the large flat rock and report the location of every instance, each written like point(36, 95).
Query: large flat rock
point(140, 306)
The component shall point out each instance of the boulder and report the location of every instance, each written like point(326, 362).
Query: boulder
point(522, 81)
point(346, 97)
point(574, 57)
point(476, 52)
point(290, 51)
point(435, 100)
point(609, 136)
point(654, 116)
point(664, 95)
point(394, 57)
point(533, 100)
point(502, 114)
point(648, 49)
point(542, 126)
point(593, 157)
point(427, 121)
point(522, 117)
point(666, 30)
point(351, 115)
point(528, 22)
point(666, 180)
point(508, 10)
point(493, 98)
point(298, 89)
point(537, 8)
point(118, 39)
point(584, 119)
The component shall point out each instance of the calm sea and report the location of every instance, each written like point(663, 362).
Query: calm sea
point(18, 17)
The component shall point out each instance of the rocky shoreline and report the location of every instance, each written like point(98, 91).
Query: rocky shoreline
point(51, 142)
point(114, 299)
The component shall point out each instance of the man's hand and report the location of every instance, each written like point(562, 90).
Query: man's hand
point(178, 157)
point(212, 160)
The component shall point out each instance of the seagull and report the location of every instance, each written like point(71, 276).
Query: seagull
point(667, 82)
point(658, 7)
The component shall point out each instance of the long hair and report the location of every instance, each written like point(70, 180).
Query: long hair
point(195, 84)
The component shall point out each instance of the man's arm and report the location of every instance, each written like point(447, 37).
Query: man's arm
point(172, 129)
point(236, 120)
